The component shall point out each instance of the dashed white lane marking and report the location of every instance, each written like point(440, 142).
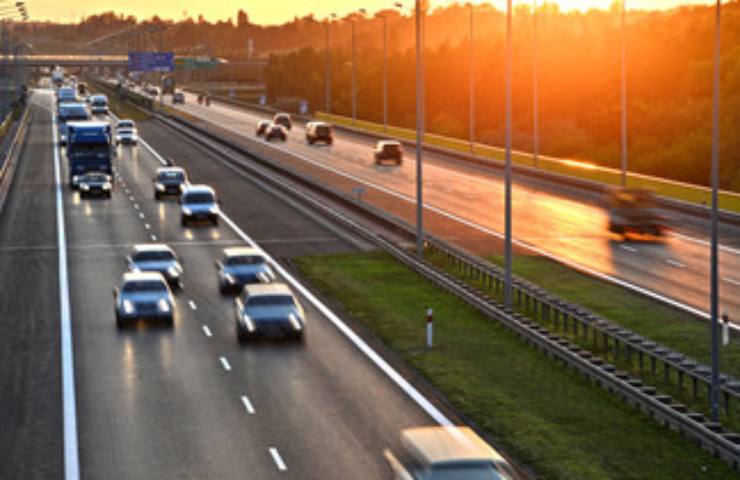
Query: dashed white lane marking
point(225, 363)
point(627, 248)
point(141, 215)
point(154, 238)
point(675, 263)
point(128, 192)
point(147, 226)
point(207, 331)
point(131, 197)
point(277, 459)
point(732, 281)
point(247, 405)
point(136, 206)
point(192, 305)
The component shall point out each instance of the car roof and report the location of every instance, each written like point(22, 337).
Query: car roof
point(448, 445)
point(388, 142)
point(282, 114)
point(199, 189)
point(259, 289)
point(73, 104)
point(142, 276)
point(125, 120)
point(239, 251)
point(88, 123)
point(277, 125)
point(170, 169)
point(152, 247)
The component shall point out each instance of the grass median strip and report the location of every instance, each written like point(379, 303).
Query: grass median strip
point(540, 412)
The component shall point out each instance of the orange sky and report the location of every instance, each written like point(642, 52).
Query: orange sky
point(266, 12)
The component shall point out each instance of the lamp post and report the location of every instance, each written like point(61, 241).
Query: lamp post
point(327, 74)
point(507, 168)
point(471, 82)
point(419, 10)
point(535, 88)
point(623, 37)
point(714, 249)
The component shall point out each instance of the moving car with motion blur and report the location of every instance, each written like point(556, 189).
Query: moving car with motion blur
point(268, 310)
point(143, 296)
point(239, 266)
point(198, 203)
point(634, 210)
point(319, 132)
point(446, 453)
point(178, 97)
point(284, 120)
point(388, 151)
point(156, 257)
point(95, 184)
point(99, 104)
point(276, 131)
point(262, 127)
point(126, 133)
point(67, 94)
point(169, 181)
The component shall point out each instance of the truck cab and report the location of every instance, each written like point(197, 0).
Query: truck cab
point(89, 149)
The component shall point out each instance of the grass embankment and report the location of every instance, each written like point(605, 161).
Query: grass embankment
point(651, 319)
point(543, 414)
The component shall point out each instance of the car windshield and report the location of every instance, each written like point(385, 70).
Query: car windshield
point(99, 102)
point(322, 130)
point(98, 177)
point(199, 197)
point(469, 472)
point(245, 260)
point(76, 113)
point(171, 176)
point(89, 151)
point(125, 125)
point(154, 256)
point(141, 286)
point(271, 301)
point(391, 148)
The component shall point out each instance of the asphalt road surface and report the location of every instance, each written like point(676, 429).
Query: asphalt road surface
point(188, 401)
point(554, 220)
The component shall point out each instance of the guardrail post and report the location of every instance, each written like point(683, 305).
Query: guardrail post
point(640, 358)
point(666, 372)
point(695, 388)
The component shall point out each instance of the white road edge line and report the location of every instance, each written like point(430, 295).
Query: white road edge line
point(207, 331)
point(627, 248)
point(358, 342)
point(247, 405)
point(732, 281)
point(674, 263)
point(69, 397)
point(277, 459)
point(225, 363)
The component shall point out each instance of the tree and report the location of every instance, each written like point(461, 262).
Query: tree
point(242, 19)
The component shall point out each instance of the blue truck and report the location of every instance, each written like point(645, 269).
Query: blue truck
point(89, 149)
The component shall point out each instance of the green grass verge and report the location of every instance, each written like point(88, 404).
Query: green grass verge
point(543, 414)
point(729, 201)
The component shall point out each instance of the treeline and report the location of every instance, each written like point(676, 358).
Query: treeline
point(669, 63)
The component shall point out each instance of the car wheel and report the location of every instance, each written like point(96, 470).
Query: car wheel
point(184, 221)
point(109, 194)
point(215, 221)
point(241, 336)
point(298, 337)
point(157, 195)
point(169, 321)
point(310, 142)
point(119, 321)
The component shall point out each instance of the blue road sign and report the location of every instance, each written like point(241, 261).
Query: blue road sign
point(151, 61)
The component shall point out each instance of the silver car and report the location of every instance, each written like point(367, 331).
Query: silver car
point(268, 310)
point(198, 202)
point(95, 184)
point(169, 181)
point(240, 266)
point(156, 257)
point(144, 296)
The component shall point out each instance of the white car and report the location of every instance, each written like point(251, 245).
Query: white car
point(198, 202)
point(126, 133)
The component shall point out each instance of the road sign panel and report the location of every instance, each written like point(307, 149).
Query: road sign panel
point(151, 61)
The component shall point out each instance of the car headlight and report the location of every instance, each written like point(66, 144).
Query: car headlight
point(75, 178)
point(163, 305)
point(159, 186)
point(187, 211)
point(106, 186)
point(213, 209)
point(295, 322)
point(85, 186)
point(248, 322)
point(128, 307)
point(229, 278)
point(173, 271)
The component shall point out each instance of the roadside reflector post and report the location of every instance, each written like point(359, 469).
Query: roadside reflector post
point(430, 327)
point(725, 329)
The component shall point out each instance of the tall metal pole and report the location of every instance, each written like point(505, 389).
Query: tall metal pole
point(507, 169)
point(471, 80)
point(624, 92)
point(354, 75)
point(385, 73)
point(419, 10)
point(327, 75)
point(536, 88)
point(714, 274)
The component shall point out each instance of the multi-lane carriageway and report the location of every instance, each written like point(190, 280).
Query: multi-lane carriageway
point(185, 402)
point(550, 219)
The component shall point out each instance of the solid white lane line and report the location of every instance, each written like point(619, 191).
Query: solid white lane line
point(69, 397)
point(247, 405)
point(699, 241)
point(207, 331)
point(732, 281)
point(675, 263)
point(277, 459)
point(627, 248)
point(192, 305)
point(225, 363)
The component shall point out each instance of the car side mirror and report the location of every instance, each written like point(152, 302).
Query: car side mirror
point(218, 264)
point(115, 292)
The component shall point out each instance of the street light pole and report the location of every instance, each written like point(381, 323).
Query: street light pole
point(507, 169)
point(385, 73)
point(327, 74)
point(536, 88)
point(714, 273)
point(623, 13)
point(419, 12)
point(471, 88)
point(354, 75)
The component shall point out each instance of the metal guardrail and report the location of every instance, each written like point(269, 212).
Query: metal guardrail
point(7, 169)
point(662, 408)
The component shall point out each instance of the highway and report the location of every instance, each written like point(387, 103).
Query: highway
point(557, 221)
point(187, 402)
